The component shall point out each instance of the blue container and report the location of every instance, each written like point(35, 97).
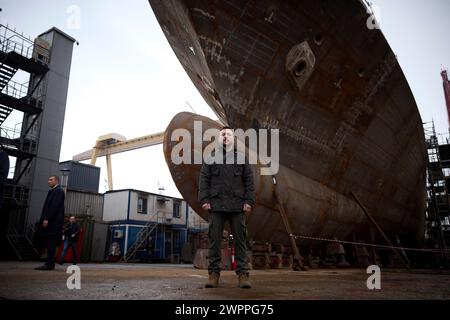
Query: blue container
point(81, 177)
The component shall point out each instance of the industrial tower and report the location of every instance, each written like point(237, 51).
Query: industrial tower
point(33, 144)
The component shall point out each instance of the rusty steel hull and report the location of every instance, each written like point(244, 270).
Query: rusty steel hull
point(303, 197)
point(347, 118)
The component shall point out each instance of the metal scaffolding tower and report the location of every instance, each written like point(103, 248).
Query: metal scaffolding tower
point(438, 182)
point(34, 142)
point(19, 53)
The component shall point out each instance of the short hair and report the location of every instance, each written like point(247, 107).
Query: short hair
point(54, 176)
point(225, 127)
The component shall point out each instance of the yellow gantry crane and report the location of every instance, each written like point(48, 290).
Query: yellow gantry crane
point(112, 143)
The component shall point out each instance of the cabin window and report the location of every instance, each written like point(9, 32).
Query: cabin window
point(176, 209)
point(142, 205)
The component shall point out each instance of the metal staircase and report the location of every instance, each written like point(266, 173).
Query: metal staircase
point(18, 145)
point(20, 240)
point(15, 195)
point(18, 52)
point(29, 56)
point(4, 113)
point(22, 244)
point(6, 74)
point(143, 235)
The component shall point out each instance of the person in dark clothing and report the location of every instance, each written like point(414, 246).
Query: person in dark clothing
point(227, 191)
point(149, 246)
point(52, 221)
point(71, 235)
point(4, 170)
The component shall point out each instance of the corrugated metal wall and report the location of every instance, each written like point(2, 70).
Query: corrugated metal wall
point(99, 241)
point(81, 177)
point(81, 203)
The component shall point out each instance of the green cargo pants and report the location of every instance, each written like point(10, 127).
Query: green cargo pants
point(238, 227)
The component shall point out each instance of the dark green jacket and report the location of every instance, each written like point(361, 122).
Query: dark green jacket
point(226, 186)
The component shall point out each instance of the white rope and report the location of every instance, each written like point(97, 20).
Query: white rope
point(369, 244)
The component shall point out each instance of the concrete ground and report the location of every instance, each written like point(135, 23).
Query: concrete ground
point(18, 280)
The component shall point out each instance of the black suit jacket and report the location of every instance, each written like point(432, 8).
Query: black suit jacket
point(53, 211)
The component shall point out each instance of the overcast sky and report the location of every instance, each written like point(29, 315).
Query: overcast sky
point(126, 79)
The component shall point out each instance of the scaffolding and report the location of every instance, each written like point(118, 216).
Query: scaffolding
point(438, 181)
point(18, 53)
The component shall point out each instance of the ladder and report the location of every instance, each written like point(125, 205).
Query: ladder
point(143, 235)
point(6, 74)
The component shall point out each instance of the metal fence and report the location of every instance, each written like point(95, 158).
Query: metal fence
point(11, 41)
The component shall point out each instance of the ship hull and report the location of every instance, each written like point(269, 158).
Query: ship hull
point(333, 87)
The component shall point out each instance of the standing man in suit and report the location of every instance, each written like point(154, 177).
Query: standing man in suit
point(52, 221)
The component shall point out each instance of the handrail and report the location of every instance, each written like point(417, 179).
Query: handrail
point(29, 234)
point(15, 192)
point(22, 46)
point(13, 236)
point(148, 224)
point(147, 229)
point(17, 141)
point(15, 89)
point(20, 91)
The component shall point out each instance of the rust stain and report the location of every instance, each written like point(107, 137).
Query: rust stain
point(331, 139)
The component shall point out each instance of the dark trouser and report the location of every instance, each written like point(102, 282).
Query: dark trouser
point(51, 241)
point(238, 230)
point(73, 245)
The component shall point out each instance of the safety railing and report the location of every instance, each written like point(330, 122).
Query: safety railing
point(143, 234)
point(14, 139)
point(15, 89)
point(21, 92)
point(16, 195)
point(11, 41)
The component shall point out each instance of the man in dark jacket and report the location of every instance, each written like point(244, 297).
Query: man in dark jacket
point(71, 234)
point(52, 221)
point(227, 192)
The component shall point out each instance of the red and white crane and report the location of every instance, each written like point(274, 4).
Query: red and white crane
point(446, 92)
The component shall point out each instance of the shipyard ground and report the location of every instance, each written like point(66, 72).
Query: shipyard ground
point(18, 280)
